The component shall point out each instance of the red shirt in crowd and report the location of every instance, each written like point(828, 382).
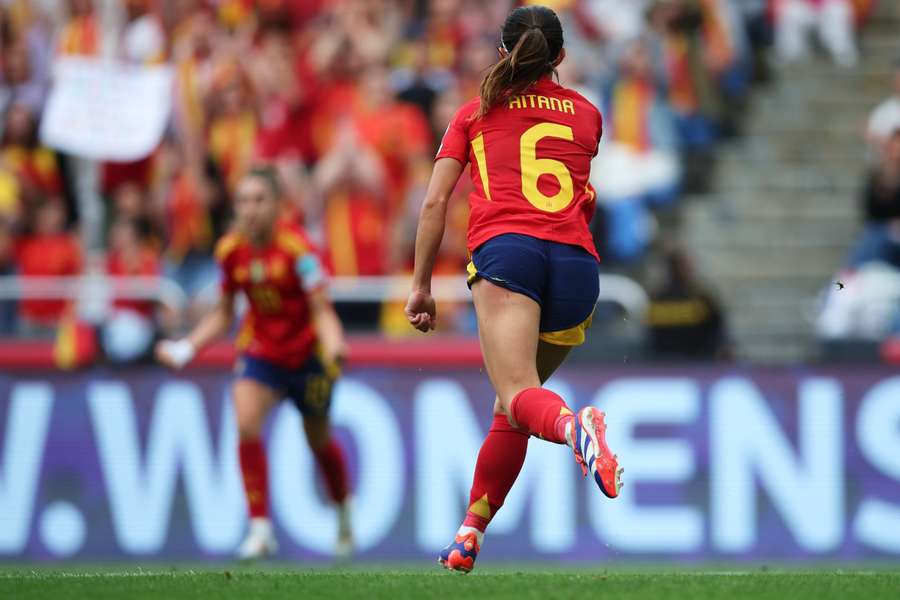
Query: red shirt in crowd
point(47, 255)
point(530, 163)
point(276, 279)
point(145, 264)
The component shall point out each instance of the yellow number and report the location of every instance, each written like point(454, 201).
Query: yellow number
point(478, 147)
point(266, 298)
point(533, 167)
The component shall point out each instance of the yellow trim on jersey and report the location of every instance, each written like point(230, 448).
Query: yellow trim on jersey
point(481, 159)
point(573, 336)
point(293, 243)
point(226, 245)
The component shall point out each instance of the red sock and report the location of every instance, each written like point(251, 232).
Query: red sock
point(333, 466)
point(256, 476)
point(499, 462)
point(542, 413)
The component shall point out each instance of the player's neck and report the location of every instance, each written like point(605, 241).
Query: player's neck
point(261, 240)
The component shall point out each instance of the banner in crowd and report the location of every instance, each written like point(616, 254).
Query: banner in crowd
point(105, 110)
point(719, 465)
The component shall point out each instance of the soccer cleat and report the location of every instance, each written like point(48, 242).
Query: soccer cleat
point(592, 453)
point(461, 554)
point(260, 541)
point(344, 548)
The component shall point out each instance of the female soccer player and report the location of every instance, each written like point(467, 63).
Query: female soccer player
point(291, 345)
point(533, 272)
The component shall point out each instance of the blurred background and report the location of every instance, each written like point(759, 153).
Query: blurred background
point(748, 217)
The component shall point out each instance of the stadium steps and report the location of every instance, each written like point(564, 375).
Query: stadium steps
point(784, 205)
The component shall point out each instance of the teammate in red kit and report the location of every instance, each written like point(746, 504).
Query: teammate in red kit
point(291, 345)
point(533, 273)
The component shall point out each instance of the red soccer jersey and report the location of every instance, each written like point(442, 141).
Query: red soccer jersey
point(276, 280)
point(530, 163)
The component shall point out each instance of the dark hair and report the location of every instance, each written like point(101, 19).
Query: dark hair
point(533, 37)
point(270, 176)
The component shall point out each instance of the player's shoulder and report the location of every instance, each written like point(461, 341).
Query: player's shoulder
point(291, 238)
point(227, 245)
point(467, 110)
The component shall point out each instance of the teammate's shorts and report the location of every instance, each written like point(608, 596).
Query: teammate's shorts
point(309, 387)
point(561, 278)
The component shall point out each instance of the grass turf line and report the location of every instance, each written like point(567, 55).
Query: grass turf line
point(246, 584)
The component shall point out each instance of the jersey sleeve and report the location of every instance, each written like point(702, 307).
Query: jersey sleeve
point(455, 143)
point(311, 271)
point(222, 254)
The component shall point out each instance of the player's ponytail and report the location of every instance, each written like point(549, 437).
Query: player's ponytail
point(533, 37)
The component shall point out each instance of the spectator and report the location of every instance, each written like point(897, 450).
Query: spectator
point(865, 304)
point(637, 167)
point(692, 93)
point(414, 78)
point(834, 21)
point(35, 165)
point(49, 250)
point(885, 119)
point(685, 320)
point(128, 331)
point(233, 123)
point(195, 214)
point(289, 94)
point(143, 40)
point(81, 34)
point(880, 239)
point(351, 179)
point(24, 67)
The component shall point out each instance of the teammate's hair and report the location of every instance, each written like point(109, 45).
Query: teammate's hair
point(533, 38)
point(270, 176)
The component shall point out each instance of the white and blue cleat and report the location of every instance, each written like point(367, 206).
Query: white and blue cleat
point(588, 441)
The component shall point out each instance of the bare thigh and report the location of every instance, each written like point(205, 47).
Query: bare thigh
point(549, 358)
point(508, 326)
point(252, 403)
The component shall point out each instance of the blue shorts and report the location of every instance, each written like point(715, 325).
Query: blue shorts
point(309, 387)
point(561, 278)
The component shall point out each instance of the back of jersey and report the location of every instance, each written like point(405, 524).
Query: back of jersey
point(530, 162)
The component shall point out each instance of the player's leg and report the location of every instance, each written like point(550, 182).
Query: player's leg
point(508, 329)
point(252, 402)
point(500, 460)
point(313, 393)
point(329, 456)
point(568, 308)
point(333, 466)
point(508, 325)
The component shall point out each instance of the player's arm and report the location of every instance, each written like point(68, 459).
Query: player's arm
point(420, 309)
point(329, 330)
point(177, 353)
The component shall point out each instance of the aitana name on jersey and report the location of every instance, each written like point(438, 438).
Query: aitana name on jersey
point(537, 101)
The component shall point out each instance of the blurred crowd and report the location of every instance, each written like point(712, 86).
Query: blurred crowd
point(349, 99)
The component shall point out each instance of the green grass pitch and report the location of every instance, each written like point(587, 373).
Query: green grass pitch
point(528, 581)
